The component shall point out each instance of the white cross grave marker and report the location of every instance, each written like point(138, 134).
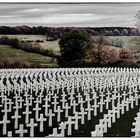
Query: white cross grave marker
point(59, 113)
point(4, 122)
point(27, 113)
point(82, 113)
point(50, 115)
point(76, 117)
point(32, 125)
point(41, 120)
point(70, 122)
point(16, 117)
point(21, 130)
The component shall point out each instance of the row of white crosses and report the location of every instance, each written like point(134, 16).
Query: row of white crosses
point(101, 109)
point(112, 115)
point(136, 126)
point(96, 86)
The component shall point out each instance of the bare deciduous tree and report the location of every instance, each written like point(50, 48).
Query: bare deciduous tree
point(98, 50)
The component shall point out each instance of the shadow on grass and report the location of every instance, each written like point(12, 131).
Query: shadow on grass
point(122, 127)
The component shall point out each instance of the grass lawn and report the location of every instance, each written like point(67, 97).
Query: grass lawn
point(49, 45)
point(7, 51)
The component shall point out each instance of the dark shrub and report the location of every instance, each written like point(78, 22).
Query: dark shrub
point(72, 46)
point(39, 41)
point(10, 41)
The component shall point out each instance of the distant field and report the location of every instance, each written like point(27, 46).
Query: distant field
point(50, 45)
point(126, 41)
point(7, 51)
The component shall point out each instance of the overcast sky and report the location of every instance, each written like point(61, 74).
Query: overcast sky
point(93, 15)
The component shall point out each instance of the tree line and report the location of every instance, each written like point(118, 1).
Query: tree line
point(56, 33)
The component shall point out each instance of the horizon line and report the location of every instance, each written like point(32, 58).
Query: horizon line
point(70, 26)
point(69, 2)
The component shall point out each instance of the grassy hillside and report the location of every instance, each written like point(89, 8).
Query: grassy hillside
point(13, 54)
point(49, 45)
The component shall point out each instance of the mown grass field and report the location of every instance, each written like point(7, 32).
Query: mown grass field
point(126, 41)
point(7, 51)
point(49, 45)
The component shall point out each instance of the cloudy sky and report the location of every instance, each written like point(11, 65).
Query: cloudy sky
point(93, 15)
